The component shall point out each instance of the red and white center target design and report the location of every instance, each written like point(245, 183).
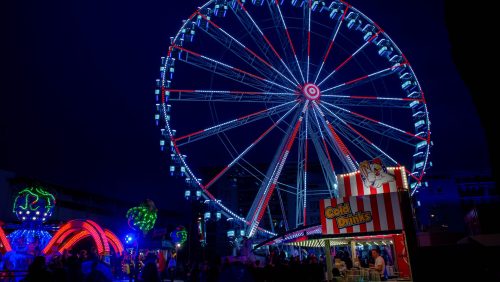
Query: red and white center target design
point(311, 91)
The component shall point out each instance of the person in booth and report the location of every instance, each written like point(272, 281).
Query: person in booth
point(379, 266)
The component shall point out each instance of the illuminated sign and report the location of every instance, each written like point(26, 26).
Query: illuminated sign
point(344, 216)
point(361, 214)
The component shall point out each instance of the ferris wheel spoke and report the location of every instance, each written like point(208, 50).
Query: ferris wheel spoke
point(368, 147)
point(364, 138)
point(226, 70)
point(242, 154)
point(282, 207)
point(357, 141)
point(332, 41)
point(250, 26)
point(280, 186)
point(375, 125)
point(306, 158)
point(350, 57)
point(373, 151)
point(289, 189)
point(362, 80)
point(323, 156)
point(228, 125)
point(243, 52)
point(325, 164)
point(276, 7)
point(346, 157)
point(267, 187)
point(233, 152)
point(301, 182)
point(185, 95)
point(308, 40)
point(242, 162)
point(369, 101)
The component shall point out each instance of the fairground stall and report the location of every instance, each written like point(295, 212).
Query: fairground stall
point(371, 211)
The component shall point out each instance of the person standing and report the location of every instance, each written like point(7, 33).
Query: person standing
point(379, 266)
point(172, 266)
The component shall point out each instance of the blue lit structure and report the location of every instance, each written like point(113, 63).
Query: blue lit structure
point(32, 206)
point(22, 239)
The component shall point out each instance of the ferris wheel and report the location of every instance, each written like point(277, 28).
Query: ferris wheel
point(287, 93)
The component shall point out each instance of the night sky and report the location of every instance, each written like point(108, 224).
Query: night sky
point(77, 103)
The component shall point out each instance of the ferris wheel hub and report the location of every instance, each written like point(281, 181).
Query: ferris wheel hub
point(311, 91)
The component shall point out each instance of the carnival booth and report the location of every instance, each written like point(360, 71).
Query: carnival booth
point(370, 211)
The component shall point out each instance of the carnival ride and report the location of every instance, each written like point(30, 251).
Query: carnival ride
point(33, 206)
point(265, 75)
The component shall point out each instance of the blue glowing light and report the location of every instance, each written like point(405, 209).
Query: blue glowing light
point(25, 239)
point(129, 239)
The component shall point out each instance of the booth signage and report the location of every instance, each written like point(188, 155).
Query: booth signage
point(370, 213)
point(344, 216)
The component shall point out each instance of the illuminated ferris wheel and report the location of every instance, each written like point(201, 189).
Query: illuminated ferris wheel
point(290, 92)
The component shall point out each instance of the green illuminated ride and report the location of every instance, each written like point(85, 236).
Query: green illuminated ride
point(142, 217)
point(34, 204)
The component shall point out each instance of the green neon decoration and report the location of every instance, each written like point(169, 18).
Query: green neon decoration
point(142, 217)
point(33, 204)
point(179, 235)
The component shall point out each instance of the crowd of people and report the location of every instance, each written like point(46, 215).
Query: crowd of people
point(273, 268)
point(83, 266)
point(158, 266)
point(278, 266)
point(68, 266)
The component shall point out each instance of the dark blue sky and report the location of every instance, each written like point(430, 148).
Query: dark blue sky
point(77, 103)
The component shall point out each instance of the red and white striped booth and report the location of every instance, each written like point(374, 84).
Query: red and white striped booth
point(369, 204)
point(352, 184)
point(361, 214)
point(365, 205)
